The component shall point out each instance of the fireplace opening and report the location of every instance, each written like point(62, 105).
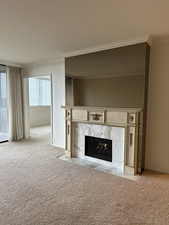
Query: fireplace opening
point(98, 148)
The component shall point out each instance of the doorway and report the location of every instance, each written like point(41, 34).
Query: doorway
point(4, 127)
point(40, 111)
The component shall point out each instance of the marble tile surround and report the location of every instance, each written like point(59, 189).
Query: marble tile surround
point(116, 134)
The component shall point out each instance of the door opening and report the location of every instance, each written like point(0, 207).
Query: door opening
point(40, 107)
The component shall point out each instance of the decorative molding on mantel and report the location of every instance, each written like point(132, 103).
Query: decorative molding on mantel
point(131, 119)
point(91, 108)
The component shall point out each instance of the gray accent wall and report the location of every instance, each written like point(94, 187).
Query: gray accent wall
point(122, 61)
point(109, 78)
point(110, 92)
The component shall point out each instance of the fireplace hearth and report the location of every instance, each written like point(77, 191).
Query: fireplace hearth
point(99, 148)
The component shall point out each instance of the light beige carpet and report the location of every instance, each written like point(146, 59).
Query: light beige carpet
point(36, 188)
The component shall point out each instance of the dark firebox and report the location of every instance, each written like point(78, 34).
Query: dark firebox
point(98, 148)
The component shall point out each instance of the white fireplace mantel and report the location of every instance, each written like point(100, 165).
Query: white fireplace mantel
point(130, 119)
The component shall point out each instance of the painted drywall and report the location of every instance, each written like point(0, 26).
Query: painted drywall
point(116, 62)
point(157, 149)
point(58, 82)
point(110, 92)
point(39, 116)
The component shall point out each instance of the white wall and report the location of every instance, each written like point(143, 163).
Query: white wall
point(58, 81)
point(157, 151)
point(39, 115)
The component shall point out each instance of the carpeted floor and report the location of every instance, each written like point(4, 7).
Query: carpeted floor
point(37, 188)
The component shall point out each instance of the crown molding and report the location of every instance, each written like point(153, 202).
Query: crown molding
point(108, 46)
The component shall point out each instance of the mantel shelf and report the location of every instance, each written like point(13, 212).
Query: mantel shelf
point(97, 108)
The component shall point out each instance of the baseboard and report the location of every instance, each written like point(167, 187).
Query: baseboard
point(54, 145)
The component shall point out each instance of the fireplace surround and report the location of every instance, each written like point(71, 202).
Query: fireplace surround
point(123, 126)
point(115, 135)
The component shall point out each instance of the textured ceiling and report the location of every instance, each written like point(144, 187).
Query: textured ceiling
point(35, 30)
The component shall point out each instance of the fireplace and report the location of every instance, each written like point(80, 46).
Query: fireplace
point(99, 148)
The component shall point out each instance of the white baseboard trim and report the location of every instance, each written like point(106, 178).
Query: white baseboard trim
point(54, 145)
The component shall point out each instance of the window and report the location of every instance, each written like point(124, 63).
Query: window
point(2, 87)
point(39, 92)
point(3, 108)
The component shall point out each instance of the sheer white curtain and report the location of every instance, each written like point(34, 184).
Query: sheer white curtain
point(15, 106)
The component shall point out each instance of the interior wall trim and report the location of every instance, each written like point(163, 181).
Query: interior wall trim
point(122, 43)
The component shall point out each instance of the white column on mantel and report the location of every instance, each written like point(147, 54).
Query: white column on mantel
point(116, 134)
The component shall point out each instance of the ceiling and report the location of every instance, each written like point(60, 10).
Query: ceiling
point(39, 30)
